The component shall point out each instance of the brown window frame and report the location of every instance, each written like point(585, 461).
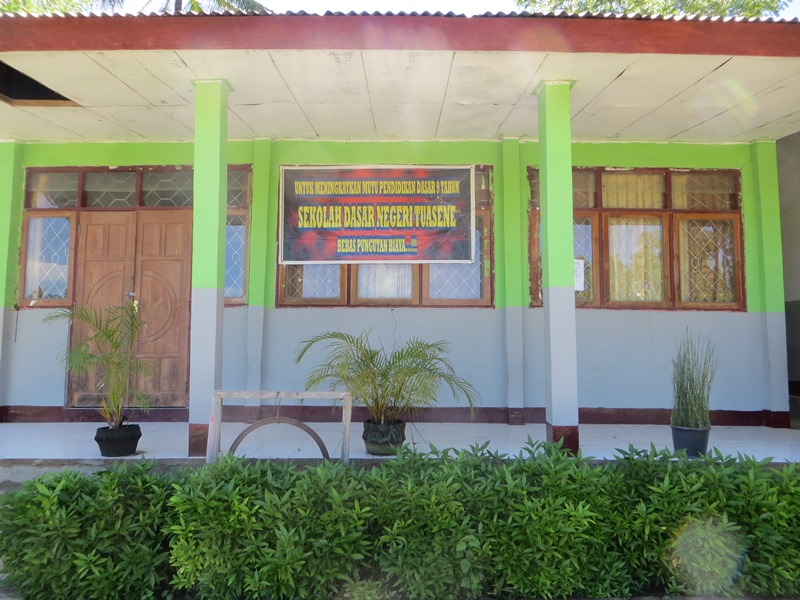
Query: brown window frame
point(483, 216)
point(593, 216)
point(420, 296)
point(413, 300)
point(73, 232)
point(245, 213)
point(74, 214)
point(665, 258)
point(670, 217)
point(739, 289)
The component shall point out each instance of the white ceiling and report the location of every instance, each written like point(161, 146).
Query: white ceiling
point(389, 95)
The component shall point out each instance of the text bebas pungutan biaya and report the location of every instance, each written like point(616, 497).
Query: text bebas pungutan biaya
point(381, 216)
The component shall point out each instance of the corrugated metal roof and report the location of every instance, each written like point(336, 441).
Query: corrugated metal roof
point(522, 14)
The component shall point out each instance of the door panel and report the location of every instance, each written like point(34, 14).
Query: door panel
point(163, 275)
point(148, 253)
point(106, 251)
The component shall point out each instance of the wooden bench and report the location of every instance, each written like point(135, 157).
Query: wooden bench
point(219, 397)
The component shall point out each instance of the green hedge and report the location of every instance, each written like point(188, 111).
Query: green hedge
point(445, 525)
point(69, 535)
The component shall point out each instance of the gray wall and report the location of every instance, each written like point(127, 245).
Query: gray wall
point(33, 375)
point(476, 335)
point(623, 356)
point(789, 181)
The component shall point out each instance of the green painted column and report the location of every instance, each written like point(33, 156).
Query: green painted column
point(762, 224)
point(11, 199)
point(261, 267)
point(558, 283)
point(514, 277)
point(208, 255)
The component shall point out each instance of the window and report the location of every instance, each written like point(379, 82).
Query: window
point(395, 284)
point(651, 239)
point(54, 200)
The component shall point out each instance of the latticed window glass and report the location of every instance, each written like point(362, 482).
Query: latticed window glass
point(238, 188)
point(312, 281)
point(168, 188)
point(109, 189)
point(235, 253)
point(47, 258)
point(633, 190)
point(636, 259)
point(51, 190)
point(459, 281)
point(584, 257)
point(385, 281)
point(707, 260)
point(704, 191)
point(583, 189)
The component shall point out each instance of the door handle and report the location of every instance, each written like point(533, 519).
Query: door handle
point(132, 296)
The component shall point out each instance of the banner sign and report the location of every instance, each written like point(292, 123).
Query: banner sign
point(377, 214)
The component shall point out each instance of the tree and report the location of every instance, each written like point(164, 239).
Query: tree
point(178, 6)
point(724, 8)
point(35, 7)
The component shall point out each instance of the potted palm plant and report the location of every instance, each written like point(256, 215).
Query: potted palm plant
point(693, 369)
point(390, 385)
point(109, 350)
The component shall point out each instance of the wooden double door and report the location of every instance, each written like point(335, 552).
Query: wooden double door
point(143, 256)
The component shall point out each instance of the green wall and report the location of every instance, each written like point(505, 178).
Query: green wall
point(763, 275)
point(11, 195)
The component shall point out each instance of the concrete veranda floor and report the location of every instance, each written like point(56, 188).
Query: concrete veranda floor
point(74, 441)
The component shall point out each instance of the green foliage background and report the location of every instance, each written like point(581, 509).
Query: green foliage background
point(723, 8)
point(472, 525)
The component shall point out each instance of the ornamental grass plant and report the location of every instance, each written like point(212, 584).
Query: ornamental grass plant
point(693, 369)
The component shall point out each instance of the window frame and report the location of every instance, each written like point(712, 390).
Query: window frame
point(594, 217)
point(74, 214)
point(671, 218)
point(413, 300)
point(45, 213)
point(245, 214)
point(738, 254)
point(420, 296)
point(341, 300)
point(484, 217)
point(666, 256)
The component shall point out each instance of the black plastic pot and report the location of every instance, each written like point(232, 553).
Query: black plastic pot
point(383, 439)
point(119, 441)
point(694, 441)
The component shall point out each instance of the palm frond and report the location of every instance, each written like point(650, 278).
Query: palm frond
point(109, 350)
point(390, 385)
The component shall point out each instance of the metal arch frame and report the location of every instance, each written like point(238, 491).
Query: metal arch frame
point(215, 421)
point(283, 420)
